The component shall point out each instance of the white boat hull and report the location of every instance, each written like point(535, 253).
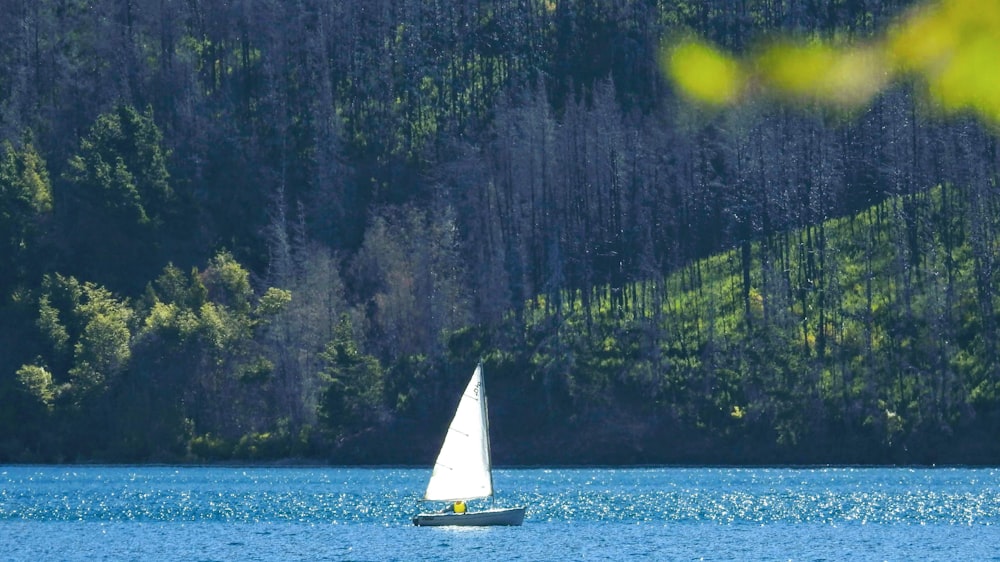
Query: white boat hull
point(511, 517)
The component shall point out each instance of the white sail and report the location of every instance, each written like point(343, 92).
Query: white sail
point(462, 470)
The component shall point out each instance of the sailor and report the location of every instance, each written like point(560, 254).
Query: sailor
point(456, 507)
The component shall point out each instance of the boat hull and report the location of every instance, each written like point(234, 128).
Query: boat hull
point(510, 517)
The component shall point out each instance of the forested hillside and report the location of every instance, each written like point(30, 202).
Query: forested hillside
point(263, 229)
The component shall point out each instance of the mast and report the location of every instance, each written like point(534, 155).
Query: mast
point(486, 423)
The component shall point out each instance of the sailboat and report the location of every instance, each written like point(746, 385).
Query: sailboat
point(463, 471)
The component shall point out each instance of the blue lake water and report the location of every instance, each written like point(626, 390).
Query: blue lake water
point(194, 513)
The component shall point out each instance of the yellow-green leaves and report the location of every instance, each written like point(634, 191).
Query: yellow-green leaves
point(704, 72)
point(272, 302)
point(24, 181)
point(818, 71)
point(37, 381)
point(228, 282)
point(951, 46)
point(954, 46)
point(103, 349)
point(89, 333)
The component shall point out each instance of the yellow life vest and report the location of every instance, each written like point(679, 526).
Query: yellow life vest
point(459, 507)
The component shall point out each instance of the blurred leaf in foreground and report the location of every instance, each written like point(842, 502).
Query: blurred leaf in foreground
point(848, 76)
point(951, 46)
point(955, 47)
point(704, 72)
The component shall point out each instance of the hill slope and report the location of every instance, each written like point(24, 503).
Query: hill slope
point(866, 339)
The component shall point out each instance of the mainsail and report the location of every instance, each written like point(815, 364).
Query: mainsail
point(462, 470)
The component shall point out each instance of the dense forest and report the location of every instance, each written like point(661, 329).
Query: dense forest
point(253, 230)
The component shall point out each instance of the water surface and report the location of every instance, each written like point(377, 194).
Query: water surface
point(193, 513)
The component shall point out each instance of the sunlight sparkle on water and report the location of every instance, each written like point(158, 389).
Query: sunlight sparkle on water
point(610, 514)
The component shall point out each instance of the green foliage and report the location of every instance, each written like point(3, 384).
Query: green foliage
point(272, 302)
point(208, 446)
point(89, 331)
point(850, 351)
point(24, 181)
point(116, 194)
point(38, 382)
point(25, 191)
point(103, 349)
point(52, 329)
point(25, 201)
point(121, 167)
point(354, 399)
point(201, 331)
point(228, 282)
point(254, 446)
point(172, 286)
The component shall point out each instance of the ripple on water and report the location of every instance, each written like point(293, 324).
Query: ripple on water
point(82, 513)
point(390, 496)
